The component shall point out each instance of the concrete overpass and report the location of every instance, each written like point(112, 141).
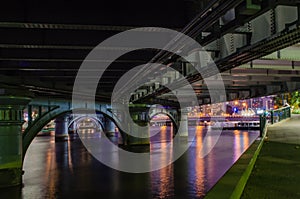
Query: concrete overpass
point(43, 45)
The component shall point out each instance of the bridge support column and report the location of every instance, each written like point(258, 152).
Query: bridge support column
point(183, 128)
point(109, 128)
point(11, 119)
point(133, 135)
point(61, 128)
point(142, 138)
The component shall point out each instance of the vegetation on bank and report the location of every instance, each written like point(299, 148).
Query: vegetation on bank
point(295, 102)
point(296, 111)
point(293, 99)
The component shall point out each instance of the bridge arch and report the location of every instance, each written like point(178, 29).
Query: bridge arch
point(38, 124)
point(174, 122)
point(94, 119)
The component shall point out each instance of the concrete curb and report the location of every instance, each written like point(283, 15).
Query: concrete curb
point(232, 184)
point(238, 191)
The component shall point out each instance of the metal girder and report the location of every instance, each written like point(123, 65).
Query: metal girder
point(201, 22)
point(263, 40)
point(268, 34)
point(262, 72)
point(234, 32)
point(65, 55)
point(58, 35)
point(67, 26)
point(290, 54)
point(46, 89)
point(94, 13)
point(278, 64)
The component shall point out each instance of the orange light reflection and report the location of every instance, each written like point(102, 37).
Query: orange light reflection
point(199, 162)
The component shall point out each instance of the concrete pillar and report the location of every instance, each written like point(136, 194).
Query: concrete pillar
point(142, 137)
point(133, 140)
point(109, 128)
point(183, 128)
point(131, 133)
point(61, 128)
point(11, 119)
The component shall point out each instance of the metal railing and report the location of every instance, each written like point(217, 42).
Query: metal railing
point(280, 114)
point(276, 116)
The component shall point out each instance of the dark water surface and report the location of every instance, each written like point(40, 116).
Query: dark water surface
point(67, 170)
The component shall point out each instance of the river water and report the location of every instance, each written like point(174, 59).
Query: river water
point(67, 170)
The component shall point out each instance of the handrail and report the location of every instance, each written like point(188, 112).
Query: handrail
point(280, 114)
point(276, 116)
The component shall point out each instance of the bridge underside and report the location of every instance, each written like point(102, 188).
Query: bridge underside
point(42, 46)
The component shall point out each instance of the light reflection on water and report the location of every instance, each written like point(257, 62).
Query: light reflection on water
point(162, 181)
point(199, 166)
point(66, 169)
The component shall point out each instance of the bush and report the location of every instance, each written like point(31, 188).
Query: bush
point(296, 111)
